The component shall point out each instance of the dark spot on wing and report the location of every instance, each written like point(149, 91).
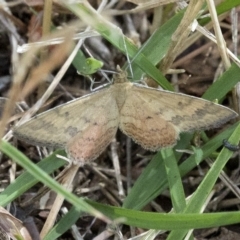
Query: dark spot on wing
point(177, 120)
point(72, 131)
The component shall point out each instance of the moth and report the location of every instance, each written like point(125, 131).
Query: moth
point(153, 118)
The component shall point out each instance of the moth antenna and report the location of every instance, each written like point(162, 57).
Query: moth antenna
point(103, 72)
point(92, 83)
point(128, 58)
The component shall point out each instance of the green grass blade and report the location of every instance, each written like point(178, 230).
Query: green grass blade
point(224, 84)
point(153, 179)
point(170, 221)
point(157, 45)
point(43, 177)
point(63, 225)
point(174, 180)
point(26, 180)
point(115, 36)
point(199, 197)
point(223, 7)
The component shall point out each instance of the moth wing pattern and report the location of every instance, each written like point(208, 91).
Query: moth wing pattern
point(153, 118)
point(55, 127)
point(139, 120)
point(91, 141)
point(165, 114)
point(186, 113)
point(88, 144)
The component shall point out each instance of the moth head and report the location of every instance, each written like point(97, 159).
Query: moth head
point(120, 76)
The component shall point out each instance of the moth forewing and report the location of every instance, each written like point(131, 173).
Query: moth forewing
point(55, 127)
point(186, 112)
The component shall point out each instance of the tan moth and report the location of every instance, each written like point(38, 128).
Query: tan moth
point(152, 118)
